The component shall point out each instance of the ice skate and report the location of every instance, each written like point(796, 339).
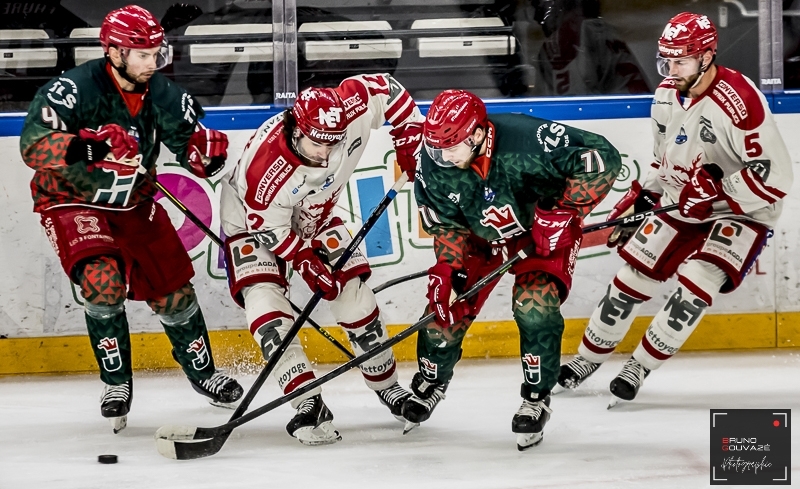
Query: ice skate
point(312, 425)
point(573, 373)
point(221, 390)
point(528, 423)
point(115, 404)
point(393, 397)
point(419, 406)
point(626, 384)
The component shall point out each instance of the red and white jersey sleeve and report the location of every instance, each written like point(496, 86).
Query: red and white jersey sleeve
point(285, 202)
point(729, 125)
point(381, 97)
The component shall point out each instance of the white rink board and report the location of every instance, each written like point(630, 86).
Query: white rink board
point(37, 299)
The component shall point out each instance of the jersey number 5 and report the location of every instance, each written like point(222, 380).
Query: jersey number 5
point(589, 158)
point(751, 145)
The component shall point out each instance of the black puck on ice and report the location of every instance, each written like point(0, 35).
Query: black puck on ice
point(107, 459)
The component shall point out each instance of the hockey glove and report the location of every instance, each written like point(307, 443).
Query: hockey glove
point(207, 152)
point(699, 194)
point(94, 145)
point(407, 141)
point(636, 200)
point(443, 282)
point(309, 263)
point(554, 229)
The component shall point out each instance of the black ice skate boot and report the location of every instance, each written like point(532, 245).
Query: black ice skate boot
point(221, 390)
point(420, 405)
point(393, 397)
point(626, 384)
point(574, 372)
point(312, 425)
point(531, 417)
point(115, 404)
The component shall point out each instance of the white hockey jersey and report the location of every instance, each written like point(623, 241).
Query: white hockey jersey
point(730, 125)
point(272, 193)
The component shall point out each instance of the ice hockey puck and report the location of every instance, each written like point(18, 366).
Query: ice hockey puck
point(107, 459)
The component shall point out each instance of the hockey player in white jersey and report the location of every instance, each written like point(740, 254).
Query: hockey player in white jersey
point(718, 154)
point(277, 211)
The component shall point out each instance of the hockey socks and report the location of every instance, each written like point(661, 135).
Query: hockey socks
point(187, 332)
point(111, 341)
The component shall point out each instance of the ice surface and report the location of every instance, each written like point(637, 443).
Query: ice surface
point(51, 431)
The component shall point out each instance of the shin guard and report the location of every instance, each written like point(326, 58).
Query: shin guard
point(615, 313)
point(111, 341)
point(357, 312)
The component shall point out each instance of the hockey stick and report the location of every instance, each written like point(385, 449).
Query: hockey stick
point(186, 443)
point(218, 241)
point(164, 447)
point(400, 280)
point(588, 229)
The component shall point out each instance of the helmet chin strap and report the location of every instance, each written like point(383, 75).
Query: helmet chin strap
point(702, 71)
point(122, 71)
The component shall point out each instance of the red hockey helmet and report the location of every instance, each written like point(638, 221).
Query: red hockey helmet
point(320, 115)
point(687, 34)
point(452, 118)
point(133, 27)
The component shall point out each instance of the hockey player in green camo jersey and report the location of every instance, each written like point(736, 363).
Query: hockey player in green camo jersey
point(487, 187)
point(90, 135)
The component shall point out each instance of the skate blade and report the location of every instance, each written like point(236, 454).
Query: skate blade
point(614, 401)
point(558, 389)
point(119, 423)
point(224, 405)
point(324, 434)
point(409, 426)
point(528, 440)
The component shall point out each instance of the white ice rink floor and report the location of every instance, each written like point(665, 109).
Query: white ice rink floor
point(51, 432)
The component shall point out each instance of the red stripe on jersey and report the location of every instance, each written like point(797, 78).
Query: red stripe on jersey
point(380, 377)
point(652, 351)
point(362, 322)
point(398, 105)
point(695, 289)
point(298, 381)
point(594, 348)
point(265, 318)
point(289, 246)
point(630, 291)
point(761, 193)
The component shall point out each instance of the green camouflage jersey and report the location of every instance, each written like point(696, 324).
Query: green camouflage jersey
point(530, 159)
point(87, 97)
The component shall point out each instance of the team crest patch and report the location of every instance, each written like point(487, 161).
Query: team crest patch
point(427, 368)
point(112, 360)
point(503, 220)
point(532, 366)
point(198, 347)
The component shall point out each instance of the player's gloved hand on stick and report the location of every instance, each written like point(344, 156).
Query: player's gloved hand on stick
point(443, 282)
point(309, 263)
point(208, 149)
point(554, 229)
point(636, 200)
point(93, 145)
point(700, 192)
point(407, 140)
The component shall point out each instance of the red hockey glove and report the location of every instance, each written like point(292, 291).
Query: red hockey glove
point(636, 200)
point(440, 292)
point(700, 193)
point(316, 273)
point(208, 150)
point(554, 229)
point(121, 144)
point(407, 141)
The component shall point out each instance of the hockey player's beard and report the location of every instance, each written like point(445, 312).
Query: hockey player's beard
point(139, 81)
point(684, 84)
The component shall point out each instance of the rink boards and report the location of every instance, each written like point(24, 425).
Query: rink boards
point(41, 315)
